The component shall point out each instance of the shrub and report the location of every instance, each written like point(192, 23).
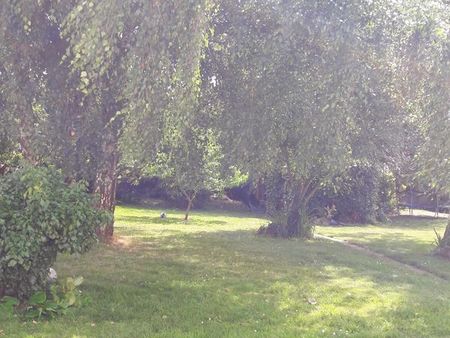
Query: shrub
point(57, 301)
point(358, 197)
point(41, 216)
point(363, 194)
point(387, 197)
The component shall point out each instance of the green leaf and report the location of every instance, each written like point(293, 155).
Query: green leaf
point(78, 281)
point(12, 263)
point(9, 301)
point(38, 298)
point(71, 299)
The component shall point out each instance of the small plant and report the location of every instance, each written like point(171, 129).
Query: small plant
point(61, 297)
point(439, 241)
point(66, 293)
point(7, 306)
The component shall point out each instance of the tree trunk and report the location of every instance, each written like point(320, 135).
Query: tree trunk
point(447, 231)
point(293, 217)
point(3, 169)
point(190, 200)
point(106, 182)
point(188, 209)
point(436, 211)
point(297, 216)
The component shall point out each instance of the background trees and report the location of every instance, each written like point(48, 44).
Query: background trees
point(299, 91)
point(78, 69)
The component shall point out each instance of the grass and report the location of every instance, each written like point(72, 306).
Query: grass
point(409, 239)
point(213, 277)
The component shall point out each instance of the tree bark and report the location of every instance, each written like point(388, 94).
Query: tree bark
point(3, 169)
point(293, 218)
point(188, 209)
point(106, 181)
point(297, 212)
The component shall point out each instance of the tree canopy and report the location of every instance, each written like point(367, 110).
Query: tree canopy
point(298, 90)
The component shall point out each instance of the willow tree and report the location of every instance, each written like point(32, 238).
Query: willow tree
point(128, 56)
point(85, 67)
point(41, 100)
point(434, 155)
point(301, 86)
point(181, 144)
point(30, 50)
point(427, 66)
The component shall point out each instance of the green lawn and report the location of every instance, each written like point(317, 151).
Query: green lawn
point(409, 239)
point(213, 277)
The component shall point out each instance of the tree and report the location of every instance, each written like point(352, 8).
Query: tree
point(29, 51)
point(192, 164)
point(302, 89)
point(79, 70)
point(183, 147)
point(424, 83)
point(434, 155)
point(132, 56)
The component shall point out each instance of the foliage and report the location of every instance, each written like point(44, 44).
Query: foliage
point(63, 296)
point(307, 88)
point(359, 196)
point(363, 194)
point(236, 178)
point(387, 196)
point(439, 240)
point(7, 307)
point(41, 216)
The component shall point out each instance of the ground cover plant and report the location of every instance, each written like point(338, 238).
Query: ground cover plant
point(212, 277)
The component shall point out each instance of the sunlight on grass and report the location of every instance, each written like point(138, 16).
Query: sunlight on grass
point(212, 277)
point(409, 239)
point(138, 222)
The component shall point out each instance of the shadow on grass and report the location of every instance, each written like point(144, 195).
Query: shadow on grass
point(149, 219)
point(402, 221)
point(236, 284)
point(409, 249)
point(233, 281)
point(416, 221)
point(164, 221)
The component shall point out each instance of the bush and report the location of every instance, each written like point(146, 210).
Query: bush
point(358, 197)
point(364, 194)
point(57, 301)
point(41, 216)
point(387, 197)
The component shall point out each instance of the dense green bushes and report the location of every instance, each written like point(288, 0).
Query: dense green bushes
point(155, 188)
point(41, 216)
point(364, 194)
point(357, 200)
